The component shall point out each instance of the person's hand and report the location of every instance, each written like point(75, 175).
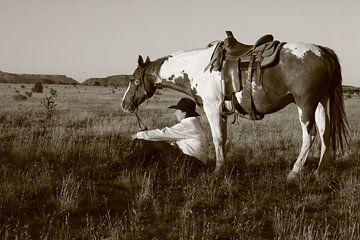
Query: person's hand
point(133, 137)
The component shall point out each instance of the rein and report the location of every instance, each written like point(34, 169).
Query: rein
point(140, 123)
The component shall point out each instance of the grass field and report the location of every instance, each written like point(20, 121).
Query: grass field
point(63, 175)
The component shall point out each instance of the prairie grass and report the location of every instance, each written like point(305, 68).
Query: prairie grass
point(67, 177)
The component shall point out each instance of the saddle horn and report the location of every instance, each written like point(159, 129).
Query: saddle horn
point(229, 34)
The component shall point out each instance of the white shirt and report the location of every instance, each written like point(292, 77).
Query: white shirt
point(188, 135)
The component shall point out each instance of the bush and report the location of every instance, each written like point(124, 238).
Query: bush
point(53, 92)
point(19, 97)
point(50, 106)
point(38, 87)
point(28, 94)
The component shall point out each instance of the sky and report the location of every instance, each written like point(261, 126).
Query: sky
point(99, 38)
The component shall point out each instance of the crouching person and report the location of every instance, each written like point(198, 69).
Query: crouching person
point(185, 141)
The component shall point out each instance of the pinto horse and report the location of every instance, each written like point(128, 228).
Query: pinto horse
point(306, 74)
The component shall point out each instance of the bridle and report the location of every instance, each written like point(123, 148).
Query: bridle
point(153, 68)
point(141, 82)
point(137, 84)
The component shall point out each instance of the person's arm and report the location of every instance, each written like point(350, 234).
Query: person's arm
point(166, 134)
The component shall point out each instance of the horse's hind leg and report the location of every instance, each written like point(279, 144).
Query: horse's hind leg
point(306, 116)
point(323, 125)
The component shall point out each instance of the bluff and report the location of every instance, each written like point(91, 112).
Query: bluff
point(110, 81)
point(351, 89)
point(33, 78)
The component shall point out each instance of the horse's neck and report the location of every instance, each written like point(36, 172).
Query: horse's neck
point(184, 71)
point(175, 86)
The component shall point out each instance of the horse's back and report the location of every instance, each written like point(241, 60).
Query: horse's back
point(302, 73)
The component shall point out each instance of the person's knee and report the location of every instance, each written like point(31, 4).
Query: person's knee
point(141, 145)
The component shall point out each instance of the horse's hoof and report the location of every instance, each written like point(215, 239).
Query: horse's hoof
point(293, 183)
point(317, 174)
point(292, 177)
point(218, 170)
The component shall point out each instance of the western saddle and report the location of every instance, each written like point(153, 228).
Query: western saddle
point(241, 66)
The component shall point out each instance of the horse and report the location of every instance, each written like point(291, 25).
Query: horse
point(307, 75)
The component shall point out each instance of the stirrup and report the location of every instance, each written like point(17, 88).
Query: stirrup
point(227, 112)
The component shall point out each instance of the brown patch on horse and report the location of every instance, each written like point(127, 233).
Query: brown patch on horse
point(311, 129)
point(183, 84)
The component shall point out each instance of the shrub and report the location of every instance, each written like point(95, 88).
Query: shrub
point(53, 92)
point(38, 87)
point(28, 94)
point(50, 106)
point(19, 97)
point(22, 86)
point(347, 96)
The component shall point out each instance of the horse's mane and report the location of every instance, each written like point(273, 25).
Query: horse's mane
point(181, 52)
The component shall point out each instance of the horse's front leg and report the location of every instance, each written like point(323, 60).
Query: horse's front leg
point(218, 125)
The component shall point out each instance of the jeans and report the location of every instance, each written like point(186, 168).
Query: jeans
point(145, 153)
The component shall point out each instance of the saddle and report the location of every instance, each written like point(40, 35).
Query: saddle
point(235, 48)
point(241, 66)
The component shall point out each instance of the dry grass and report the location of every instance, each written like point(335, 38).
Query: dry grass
point(67, 177)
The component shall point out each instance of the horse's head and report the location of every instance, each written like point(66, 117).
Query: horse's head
point(141, 85)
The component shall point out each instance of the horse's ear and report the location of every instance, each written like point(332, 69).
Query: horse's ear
point(147, 60)
point(140, 61)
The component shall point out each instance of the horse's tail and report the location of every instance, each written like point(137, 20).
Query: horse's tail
point(338, 121)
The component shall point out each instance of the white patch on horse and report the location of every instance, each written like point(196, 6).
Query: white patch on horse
point(191, 65)
point(300, 113)
point(125, 94)
point(299, 49)
point(239, 96)
point(254, 86)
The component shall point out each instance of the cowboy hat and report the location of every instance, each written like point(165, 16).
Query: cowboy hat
point(187, 105)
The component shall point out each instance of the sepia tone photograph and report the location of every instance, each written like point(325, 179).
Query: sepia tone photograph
point(184, 119)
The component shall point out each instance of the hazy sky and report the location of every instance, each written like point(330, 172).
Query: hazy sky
point(98, 38)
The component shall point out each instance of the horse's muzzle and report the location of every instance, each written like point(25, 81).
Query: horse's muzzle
point(128, 108)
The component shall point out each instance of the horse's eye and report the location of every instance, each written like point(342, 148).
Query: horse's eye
point(137, 82)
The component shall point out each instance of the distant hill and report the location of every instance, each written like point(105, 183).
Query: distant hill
point(351, 89)
point(33, 78)
point(110, 81)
